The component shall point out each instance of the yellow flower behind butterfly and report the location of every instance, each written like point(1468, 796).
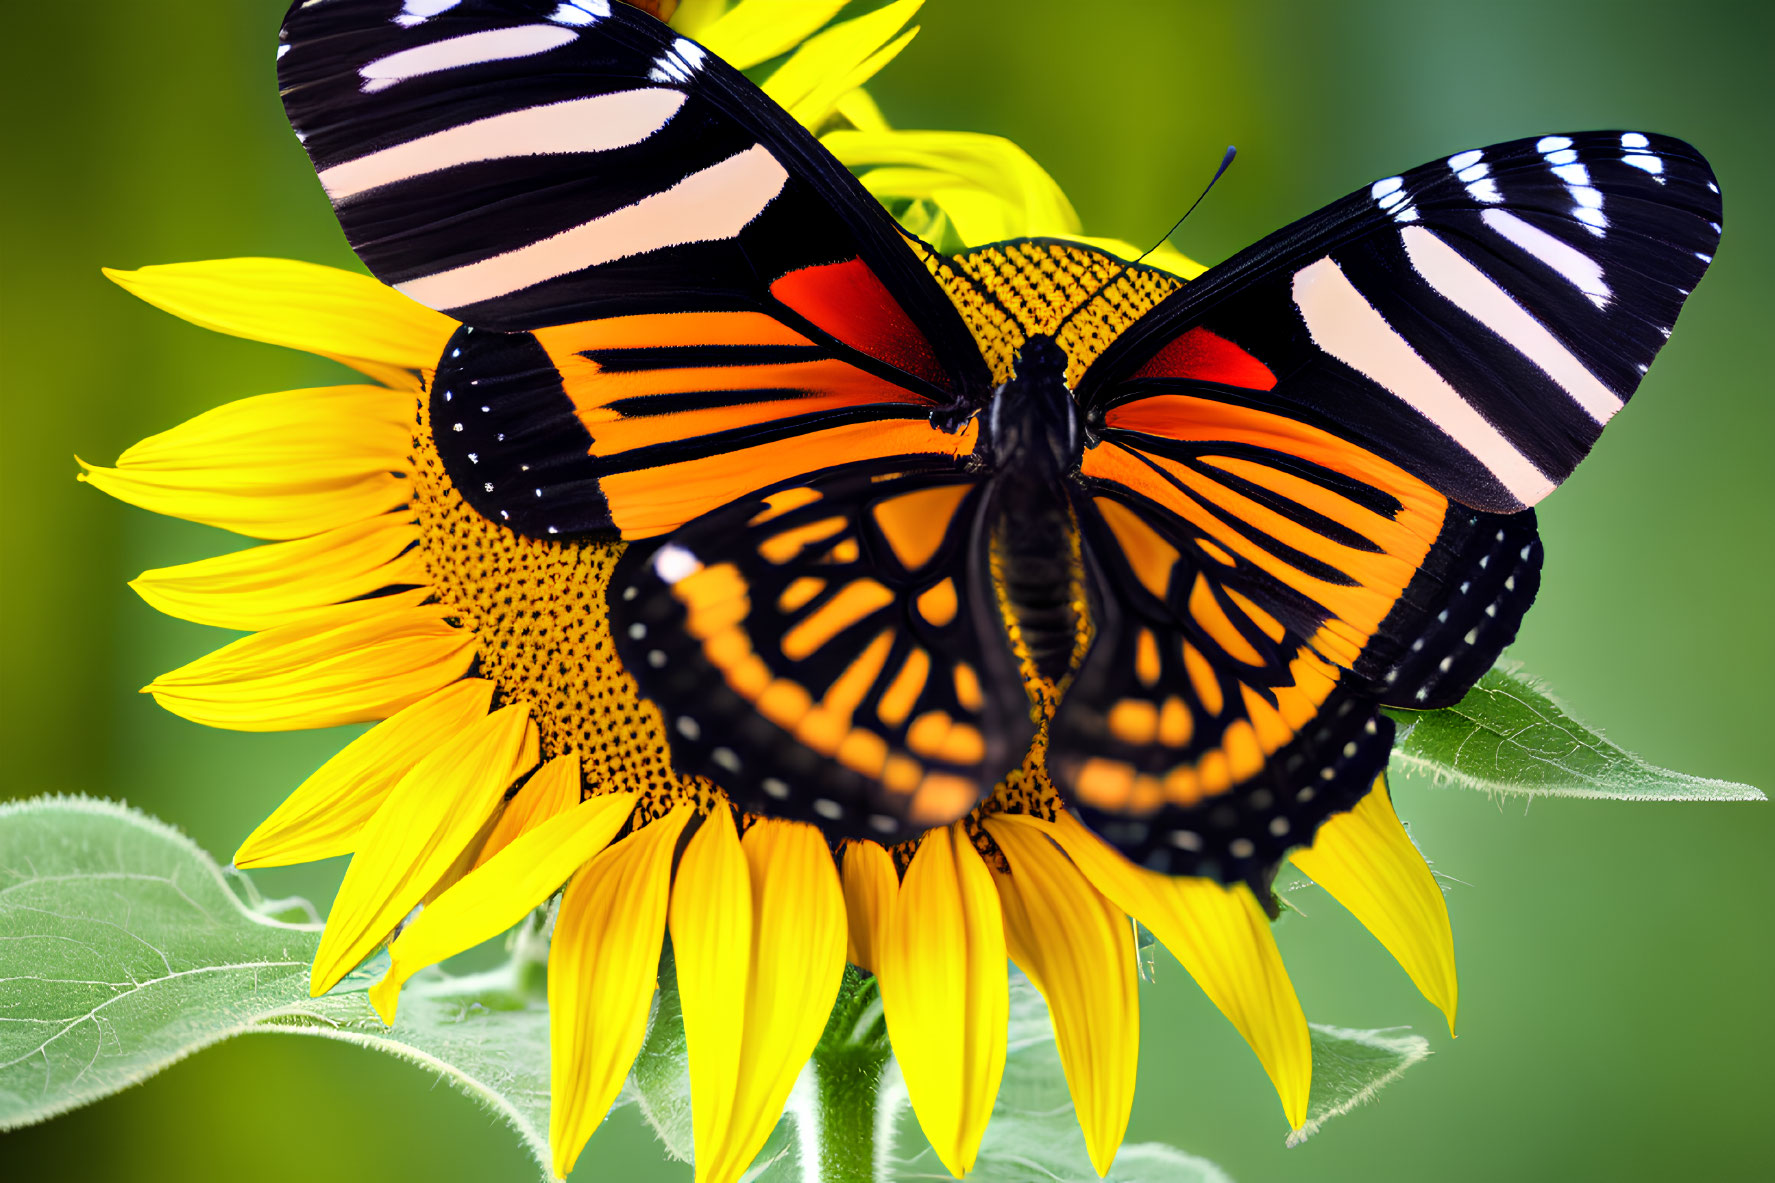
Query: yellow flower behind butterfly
point(511, 755)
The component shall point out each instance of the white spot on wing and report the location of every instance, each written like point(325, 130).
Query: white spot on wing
point(417, 12)
point(672, 562)
point(1389, 193)
point(1472, 171)
point(678, 63)
point(580, 12)
point(1562, 161)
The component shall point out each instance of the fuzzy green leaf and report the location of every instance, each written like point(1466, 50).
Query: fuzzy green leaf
point(1509, 735)
point(124, 948)
point(1350, 1067)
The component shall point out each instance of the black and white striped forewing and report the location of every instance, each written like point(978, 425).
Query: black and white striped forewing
point(1476, 320)
point(524, 163)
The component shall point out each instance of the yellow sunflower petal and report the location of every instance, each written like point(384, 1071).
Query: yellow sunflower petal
point(338, 314)
point(845, 56)
point(464, 862)
point(822, 102)
point(319, 434)
point(990, 188)
point(553, 790)
point(946, 993)
point(328, 811)
point(693, 17)
point(1079, 950)
point(1222, 938)
point(422, 828)
point(711, 919)
point(265, 586)
point(351, 663)
point(1369, 864)
point(501, 892)
point(285, 465)
point(870, 885)
point(758, 934)
point(603, 967)
point(797, 965)
point(861, 111)
point(759, 30)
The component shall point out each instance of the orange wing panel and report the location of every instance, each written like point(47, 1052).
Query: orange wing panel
point(653, 501)
point(1401, 540)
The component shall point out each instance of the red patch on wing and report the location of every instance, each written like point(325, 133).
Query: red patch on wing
point(1202, 356)
point(848, 301)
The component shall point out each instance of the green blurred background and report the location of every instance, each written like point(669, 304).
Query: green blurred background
point(1616, 959)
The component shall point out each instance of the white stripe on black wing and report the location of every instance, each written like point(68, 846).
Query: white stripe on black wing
point(525, 163)
point(1476, 320)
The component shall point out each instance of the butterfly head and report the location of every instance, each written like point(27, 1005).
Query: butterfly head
point(1033, 425)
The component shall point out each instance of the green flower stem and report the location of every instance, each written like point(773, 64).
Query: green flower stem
point(846, 1077)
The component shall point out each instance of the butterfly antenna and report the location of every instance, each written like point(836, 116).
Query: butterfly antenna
point(1226, 162)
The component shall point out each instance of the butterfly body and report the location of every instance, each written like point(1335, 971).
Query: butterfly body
point(886, 508)
point(1032, 441)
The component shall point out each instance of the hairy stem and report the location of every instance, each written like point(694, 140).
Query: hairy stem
point(840, 1122)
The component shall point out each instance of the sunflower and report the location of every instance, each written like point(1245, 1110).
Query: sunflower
point(512, 755)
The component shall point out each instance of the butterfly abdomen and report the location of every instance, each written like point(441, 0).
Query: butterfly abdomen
point(1035, 561)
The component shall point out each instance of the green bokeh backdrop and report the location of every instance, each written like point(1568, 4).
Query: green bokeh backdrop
point(1615, 959)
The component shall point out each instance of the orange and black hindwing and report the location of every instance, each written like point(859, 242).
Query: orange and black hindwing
point(1294, 490)
point(831, 648)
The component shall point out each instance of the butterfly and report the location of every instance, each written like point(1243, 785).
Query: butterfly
point(887, 510)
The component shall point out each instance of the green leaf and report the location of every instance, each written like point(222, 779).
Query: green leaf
point(123, 948)
point(1350, 1067)
point(1509, 735)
